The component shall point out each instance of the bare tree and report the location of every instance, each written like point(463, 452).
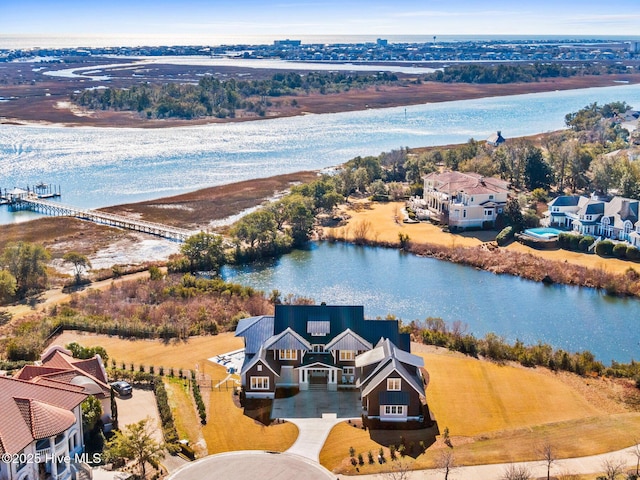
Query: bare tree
point(516, 472)
point(613, 467)
point(446, 462)
point(360, 231)
point(547, 452)
point(399, 471)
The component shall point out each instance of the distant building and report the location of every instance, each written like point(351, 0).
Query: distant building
point(496, 139)
point(287, 43)
point(465, 200)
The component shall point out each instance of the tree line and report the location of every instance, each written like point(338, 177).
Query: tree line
point(517, 72)
point(212, 97)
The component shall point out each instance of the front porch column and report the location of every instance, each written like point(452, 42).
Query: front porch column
point(332, 384)
point(303, 379)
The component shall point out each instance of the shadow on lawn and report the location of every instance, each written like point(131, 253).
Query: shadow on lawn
point(415, 442)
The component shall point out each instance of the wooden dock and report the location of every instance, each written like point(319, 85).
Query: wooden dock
point(35, 203)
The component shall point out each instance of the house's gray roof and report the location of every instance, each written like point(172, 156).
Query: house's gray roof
point(255, 330)
point(348, 340)
point(341, 317)
point(386, 349)
point(565, 201)
point(393, 398)
point(287, 340)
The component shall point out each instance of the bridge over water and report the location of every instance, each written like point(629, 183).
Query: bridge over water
point(31, 201)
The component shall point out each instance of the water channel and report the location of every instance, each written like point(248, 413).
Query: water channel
point(387, 281)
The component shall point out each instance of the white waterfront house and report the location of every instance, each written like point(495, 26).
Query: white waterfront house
point(465, 200)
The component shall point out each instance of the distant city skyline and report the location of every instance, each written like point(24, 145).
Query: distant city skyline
point(291, 18)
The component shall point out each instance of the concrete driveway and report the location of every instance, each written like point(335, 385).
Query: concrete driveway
point(314, 404)
point(138, 406)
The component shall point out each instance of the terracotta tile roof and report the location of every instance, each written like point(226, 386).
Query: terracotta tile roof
point(31, 411)
point(468, 182)
point(59, 366)
point(44, 420)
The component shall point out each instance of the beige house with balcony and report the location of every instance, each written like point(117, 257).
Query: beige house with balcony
point(465, 200)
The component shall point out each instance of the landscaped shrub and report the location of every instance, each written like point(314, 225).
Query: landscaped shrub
point(604, 248)
point(585, 243)
point(505, 236)
point(633, 253)
point(574, 241)
point(197, 396)
point(564, 240)
point(166, 417)
point(620, 250)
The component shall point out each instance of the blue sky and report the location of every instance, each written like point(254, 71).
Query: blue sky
point(321, 17)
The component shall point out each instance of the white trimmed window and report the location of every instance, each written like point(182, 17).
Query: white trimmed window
point(288, 354)
point(347, 355)
point(394, 384)
point(394, 410)
point(317, 348)
point(348, 370)
point(259, 383)
point(259, 368)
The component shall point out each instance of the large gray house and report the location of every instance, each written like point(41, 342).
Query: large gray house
point(334, 347)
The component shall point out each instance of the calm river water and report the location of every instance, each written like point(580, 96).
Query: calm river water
point(106, 166)
point(387, 281)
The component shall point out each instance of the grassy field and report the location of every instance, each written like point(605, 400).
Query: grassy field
point(185, 416)
point(494, 414)
point(227, 427)
point(174, 354)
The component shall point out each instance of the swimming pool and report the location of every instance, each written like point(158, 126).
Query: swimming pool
point(543, 233)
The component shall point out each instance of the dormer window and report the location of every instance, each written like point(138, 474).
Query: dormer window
point(318, 328)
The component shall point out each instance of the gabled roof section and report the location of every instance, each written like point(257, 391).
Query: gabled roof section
point(260, 357)
point(391, 367)
point(385, 349)
point(255, 330)
point(348, 340)
point(287, 340)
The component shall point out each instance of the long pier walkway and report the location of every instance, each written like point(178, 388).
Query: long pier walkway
point(34, 203)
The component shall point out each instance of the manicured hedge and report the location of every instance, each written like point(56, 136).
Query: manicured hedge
point(620, 250)
point(633, 253)
point(604, 248)
point(505, 236)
